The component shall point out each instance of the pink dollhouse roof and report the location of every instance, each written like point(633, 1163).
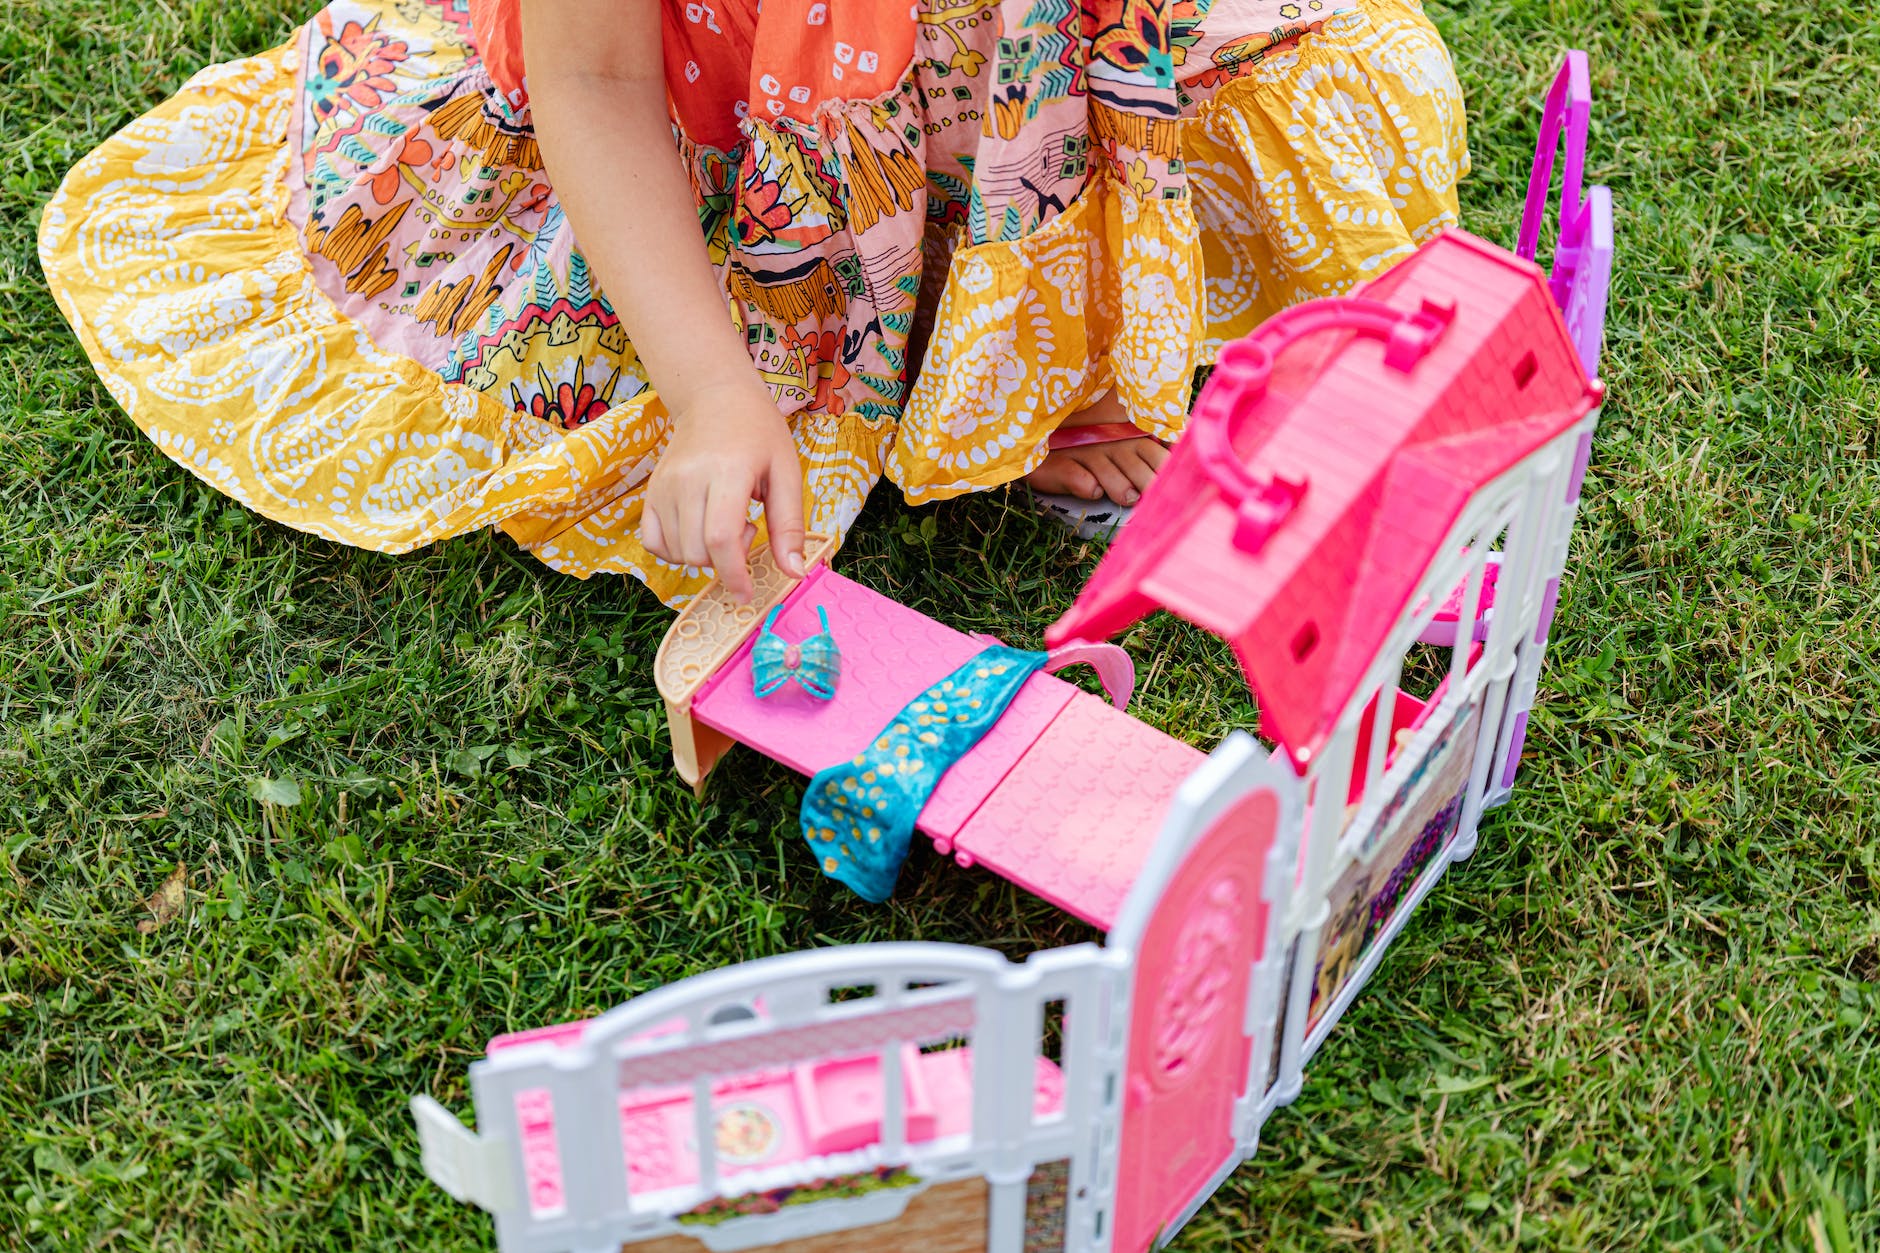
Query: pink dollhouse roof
point(1389, 460)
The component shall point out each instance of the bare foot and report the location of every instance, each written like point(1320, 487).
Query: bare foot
point(1121, 470)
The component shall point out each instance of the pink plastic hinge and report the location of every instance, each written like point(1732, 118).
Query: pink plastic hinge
point(1261, 512)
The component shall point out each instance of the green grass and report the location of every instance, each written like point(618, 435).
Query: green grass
point(1642, 1017)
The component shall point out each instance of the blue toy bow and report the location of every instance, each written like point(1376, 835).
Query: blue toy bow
point(814, 664)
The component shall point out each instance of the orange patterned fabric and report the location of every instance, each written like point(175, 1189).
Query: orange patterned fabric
point(335, 280)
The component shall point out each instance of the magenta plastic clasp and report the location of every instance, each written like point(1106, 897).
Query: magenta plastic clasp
point(1240, 379)
point(1582, 262)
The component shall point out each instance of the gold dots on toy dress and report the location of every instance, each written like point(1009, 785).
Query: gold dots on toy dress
point(929, 738)
point(831, 865)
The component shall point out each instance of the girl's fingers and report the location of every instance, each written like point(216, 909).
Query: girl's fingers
point(690, 524)
point(725, 544)
point(652, 534)
point(783, 511)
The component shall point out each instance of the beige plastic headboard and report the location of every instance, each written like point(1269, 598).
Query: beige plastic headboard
point(704, 636)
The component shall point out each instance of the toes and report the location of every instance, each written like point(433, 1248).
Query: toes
point(1130, 459)
point(1116, 484)
point(1065, 475)
point(1082, 483)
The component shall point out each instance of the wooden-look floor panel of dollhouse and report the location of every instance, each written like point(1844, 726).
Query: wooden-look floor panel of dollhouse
point(1063, 797)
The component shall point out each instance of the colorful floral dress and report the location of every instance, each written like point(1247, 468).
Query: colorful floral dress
point(334, 280)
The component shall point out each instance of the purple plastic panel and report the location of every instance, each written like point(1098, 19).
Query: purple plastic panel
point(1515, 741)
point(1549, 600)
point(1590, 278)
point(1582, 455)
point(1582, 265)
point(1568, 108)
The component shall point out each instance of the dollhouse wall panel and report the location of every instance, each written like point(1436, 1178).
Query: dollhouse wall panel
point(1414, 831)
point(946, 1218)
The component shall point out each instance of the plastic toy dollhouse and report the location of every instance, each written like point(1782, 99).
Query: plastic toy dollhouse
point(1372, 505)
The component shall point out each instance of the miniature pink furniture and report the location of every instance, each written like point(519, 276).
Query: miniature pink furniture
point(770, 1118)
point(1002, 805)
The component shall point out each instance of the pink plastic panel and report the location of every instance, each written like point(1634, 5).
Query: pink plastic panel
point(1073, 822)
point(563, 1033)
point(1442, 628)
point(949, 1075)
point(841, 1101)
point(1406, 714)
point(965, 787)
point(889, 654)
point(1188, 1047)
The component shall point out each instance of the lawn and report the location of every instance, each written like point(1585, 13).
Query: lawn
point(1643, 1017)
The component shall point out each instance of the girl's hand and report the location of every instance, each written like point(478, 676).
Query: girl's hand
point(729, 447)
point(597, 92)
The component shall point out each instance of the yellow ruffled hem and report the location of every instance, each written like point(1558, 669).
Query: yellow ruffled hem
point(1325, 164)
point(1032, 330)
point(171, 253)
point(1320, 167)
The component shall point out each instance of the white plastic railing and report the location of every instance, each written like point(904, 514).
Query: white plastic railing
point(699, 1031)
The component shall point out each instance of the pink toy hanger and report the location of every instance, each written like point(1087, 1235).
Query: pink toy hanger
point(1114, 668)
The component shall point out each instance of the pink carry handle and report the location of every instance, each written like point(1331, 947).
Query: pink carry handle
point(1582, 263)
point(1240, 379)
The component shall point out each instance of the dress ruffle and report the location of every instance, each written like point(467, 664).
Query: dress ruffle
point(185, 255)
point(1298, 174)
point(1030, 331)
point(334, 282)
